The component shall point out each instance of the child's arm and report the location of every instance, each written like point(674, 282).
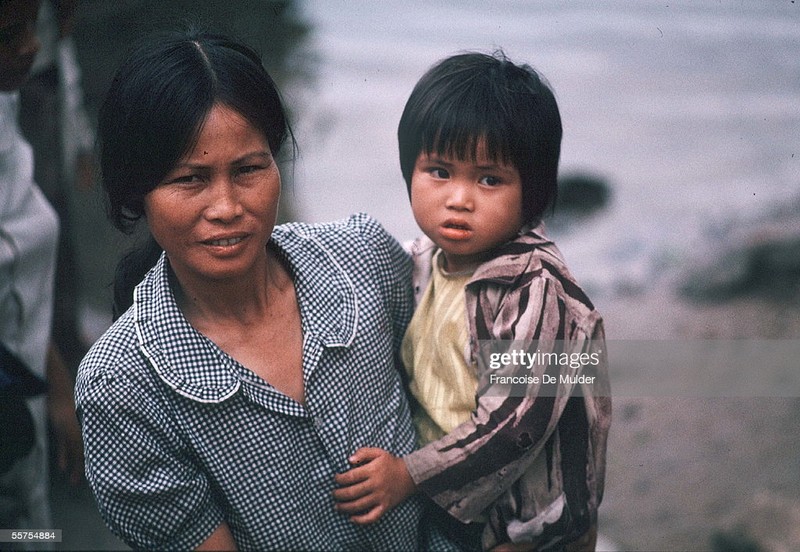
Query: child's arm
point(467, 470)
point(378, 482)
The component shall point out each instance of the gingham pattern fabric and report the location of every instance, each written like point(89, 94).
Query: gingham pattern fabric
point(179, 436)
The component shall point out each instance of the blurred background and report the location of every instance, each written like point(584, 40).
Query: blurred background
point(681, 187)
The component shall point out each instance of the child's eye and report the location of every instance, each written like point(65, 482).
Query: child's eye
point(439, 173)
point(490, 181)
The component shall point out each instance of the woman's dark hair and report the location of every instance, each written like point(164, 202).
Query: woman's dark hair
point(158, 101)
point(471, 97)
point(153, 113)
point(130, 271)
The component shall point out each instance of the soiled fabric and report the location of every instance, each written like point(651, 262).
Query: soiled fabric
point(531, 463)
point(180, 437)
point(441, 380)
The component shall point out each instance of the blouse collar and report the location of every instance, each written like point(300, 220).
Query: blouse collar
point(194, 366)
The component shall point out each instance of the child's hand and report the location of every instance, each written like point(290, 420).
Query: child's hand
point(378, 482)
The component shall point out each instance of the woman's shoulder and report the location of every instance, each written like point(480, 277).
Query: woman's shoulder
point(114, 356)
point(356, 248)
point(116, 342)
point(358, 224)
point(356, 235)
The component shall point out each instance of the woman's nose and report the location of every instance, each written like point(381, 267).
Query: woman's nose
point(225, 203)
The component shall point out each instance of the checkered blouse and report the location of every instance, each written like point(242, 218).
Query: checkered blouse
point(180, 437)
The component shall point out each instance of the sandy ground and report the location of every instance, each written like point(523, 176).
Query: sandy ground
point(681, 470)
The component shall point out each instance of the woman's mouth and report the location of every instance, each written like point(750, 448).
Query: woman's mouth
point(224, 242)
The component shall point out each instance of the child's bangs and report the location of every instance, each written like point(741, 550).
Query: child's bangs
point(467, 134)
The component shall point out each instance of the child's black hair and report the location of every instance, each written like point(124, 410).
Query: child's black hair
point(471, 97)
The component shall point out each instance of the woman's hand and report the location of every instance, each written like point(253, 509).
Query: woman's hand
point(378, 482)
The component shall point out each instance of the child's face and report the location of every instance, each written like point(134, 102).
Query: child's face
point(466, 207)
point(18, 42)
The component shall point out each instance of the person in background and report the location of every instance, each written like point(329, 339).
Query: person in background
point(502, 465)
point(28, 237)
point(54, 121)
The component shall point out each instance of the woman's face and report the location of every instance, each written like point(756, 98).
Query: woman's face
point(215, 211)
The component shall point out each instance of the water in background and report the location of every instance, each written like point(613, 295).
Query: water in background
point(691, 110)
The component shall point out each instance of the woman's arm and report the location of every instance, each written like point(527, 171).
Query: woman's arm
point(391, 268)
point(147, 486)
point(379, 480)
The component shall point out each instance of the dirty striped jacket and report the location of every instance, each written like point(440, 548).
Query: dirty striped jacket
point(531, 463)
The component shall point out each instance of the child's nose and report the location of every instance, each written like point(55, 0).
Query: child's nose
point(460, 196)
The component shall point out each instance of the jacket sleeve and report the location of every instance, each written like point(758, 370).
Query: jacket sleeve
point(466, 471)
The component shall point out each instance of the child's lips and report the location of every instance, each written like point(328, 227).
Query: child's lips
point(455, 229)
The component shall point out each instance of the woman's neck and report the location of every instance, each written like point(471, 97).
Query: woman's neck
point(241, 300)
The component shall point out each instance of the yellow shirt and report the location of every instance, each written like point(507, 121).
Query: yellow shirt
point(441, 380)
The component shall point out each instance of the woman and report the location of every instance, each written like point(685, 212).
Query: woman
point(255, 359)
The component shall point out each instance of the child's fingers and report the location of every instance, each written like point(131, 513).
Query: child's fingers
point(364, 455)
point(352, 492)
point(360, 459)
point(351, 477)
point(357, 507)
point(370, 516)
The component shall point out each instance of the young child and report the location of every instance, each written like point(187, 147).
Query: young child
point(479, 147)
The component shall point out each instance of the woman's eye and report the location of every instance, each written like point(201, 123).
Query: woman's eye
point(186, 179)
point(248, 169)
point(490, 181)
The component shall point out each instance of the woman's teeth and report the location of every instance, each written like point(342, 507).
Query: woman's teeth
point(226, 242)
